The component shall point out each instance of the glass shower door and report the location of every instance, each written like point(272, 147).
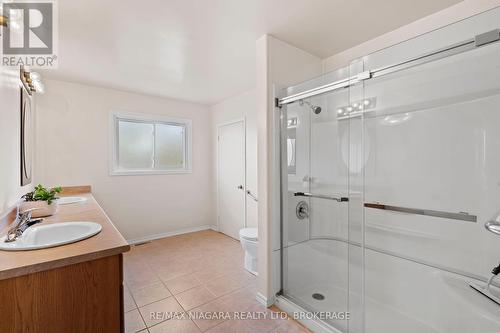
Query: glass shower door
point(431, 181)
point(315, 192)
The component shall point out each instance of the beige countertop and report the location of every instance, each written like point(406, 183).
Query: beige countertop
point(106, 243)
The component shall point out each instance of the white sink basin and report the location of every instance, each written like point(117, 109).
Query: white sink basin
point(50, 235)
point(70, 200)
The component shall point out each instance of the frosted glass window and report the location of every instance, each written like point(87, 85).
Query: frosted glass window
point(135, 145)
point(143, 145)
point(169, 146)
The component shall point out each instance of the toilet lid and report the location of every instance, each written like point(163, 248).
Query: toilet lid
point(249, 233)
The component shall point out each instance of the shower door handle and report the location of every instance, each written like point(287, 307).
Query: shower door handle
point(463, 216)
point(321, 196)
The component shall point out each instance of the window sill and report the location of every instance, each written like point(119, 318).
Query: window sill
point(148, 172)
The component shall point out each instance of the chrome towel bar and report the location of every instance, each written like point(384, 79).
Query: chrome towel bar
point(321, 196)
point(463, 216)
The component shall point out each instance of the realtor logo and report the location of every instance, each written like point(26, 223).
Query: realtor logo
point(28, 39)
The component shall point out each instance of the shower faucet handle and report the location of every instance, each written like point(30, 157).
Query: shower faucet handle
point(496, 270)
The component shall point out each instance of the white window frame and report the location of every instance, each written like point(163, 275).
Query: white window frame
point(115, 116)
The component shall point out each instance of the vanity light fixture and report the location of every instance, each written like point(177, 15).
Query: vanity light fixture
point(32, 81)
point(356, 108)
point(14, 18)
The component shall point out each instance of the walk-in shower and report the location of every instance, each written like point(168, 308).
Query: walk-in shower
point(386, 191)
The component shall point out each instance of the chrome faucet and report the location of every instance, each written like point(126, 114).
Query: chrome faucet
point(22, 222)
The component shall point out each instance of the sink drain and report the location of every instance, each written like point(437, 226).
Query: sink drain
point(318, 297)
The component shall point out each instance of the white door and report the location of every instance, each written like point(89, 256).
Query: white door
point(231, 178)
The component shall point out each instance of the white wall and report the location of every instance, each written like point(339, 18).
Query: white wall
point(460, 11)
point(10, 136)
point(73, 150)
point(242, 106)
point(278, 65)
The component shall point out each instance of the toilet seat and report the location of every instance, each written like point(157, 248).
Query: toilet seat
point(249, 234)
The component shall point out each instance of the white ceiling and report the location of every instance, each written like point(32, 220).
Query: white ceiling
point(204, 50)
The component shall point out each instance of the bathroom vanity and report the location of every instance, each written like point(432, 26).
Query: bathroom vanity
point(76, 287)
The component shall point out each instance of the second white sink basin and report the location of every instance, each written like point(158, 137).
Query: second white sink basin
point(70, 200)
point(50, 235)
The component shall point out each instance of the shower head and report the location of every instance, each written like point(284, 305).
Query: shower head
point(316, 109)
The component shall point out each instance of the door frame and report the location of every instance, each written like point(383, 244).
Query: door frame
point(219, 126)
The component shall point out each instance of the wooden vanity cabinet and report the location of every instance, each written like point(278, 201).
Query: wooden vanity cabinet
point(82, 297)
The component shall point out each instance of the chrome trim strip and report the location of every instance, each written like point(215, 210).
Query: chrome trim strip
point(450, 50)
point(445, 52)
point(344, 83)
point(282, 112)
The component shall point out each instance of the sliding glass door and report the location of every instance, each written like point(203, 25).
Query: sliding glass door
point(432, 171)
point(319, 265)
point(390, 169)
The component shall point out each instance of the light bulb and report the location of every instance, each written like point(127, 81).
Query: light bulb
point(14, 14)
point(39, 87)
point(35, 76)
point(14, 25)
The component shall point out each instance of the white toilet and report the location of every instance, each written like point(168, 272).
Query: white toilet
point(249, 242)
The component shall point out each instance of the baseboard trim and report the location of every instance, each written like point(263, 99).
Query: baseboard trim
point(267, 302)
point(314, 325)
point(168, 234)
point(214, 227)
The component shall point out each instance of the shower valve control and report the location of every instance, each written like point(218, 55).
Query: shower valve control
point(496, 270)
point(302, 210)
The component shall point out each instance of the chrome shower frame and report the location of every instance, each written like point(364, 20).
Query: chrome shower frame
point(464, 46)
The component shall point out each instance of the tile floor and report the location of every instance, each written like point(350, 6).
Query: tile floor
point(199, 274)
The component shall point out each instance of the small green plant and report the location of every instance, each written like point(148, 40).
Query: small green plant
point(40, 193)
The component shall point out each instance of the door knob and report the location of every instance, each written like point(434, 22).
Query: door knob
point(240, 187)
